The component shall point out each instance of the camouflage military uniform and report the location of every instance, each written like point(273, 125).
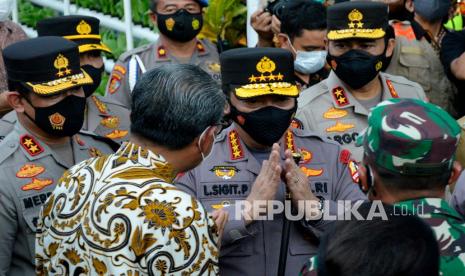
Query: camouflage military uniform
point(104, 118)
point(449, 228)
point(132, 64)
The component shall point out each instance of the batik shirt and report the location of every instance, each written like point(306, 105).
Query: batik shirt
point(119, 215)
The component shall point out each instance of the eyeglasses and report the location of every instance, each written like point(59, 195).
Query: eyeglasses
point(220, 126)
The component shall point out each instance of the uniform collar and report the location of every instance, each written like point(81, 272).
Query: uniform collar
point(156, 165)
point(341, 95)
point(33, 148)
point(162, 54)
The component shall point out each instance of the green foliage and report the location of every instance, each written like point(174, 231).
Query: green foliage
point(101, 89)
point(226, 19)
point(29, 13)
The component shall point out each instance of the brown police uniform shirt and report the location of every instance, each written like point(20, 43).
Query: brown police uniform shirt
point(415, 59)
point(29, 170)
point(10, 33)
point(131, 65)
point(104, 118)
point(329, 109)
point(227, 176)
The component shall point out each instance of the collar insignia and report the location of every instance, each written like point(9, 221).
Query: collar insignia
point(30, 145)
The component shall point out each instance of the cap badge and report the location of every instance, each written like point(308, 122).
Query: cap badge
point(57, 120)
point(170, 24)
point(355, 18)
point(61, 64)
point(266, 65)
point(83, 28)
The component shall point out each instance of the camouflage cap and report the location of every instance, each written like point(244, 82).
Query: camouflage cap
point(410, 137)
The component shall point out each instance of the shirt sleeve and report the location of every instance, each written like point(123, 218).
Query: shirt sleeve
point(8, 229)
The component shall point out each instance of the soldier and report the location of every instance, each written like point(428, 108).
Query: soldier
point(357, 50)
point(247, 160)
point(45, 90)
point(179, 23)
point(416, 53)
point(103, 117)
point(409, 150)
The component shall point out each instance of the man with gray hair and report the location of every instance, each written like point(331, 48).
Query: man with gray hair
point(120, 214)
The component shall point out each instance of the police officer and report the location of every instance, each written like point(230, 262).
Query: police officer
point(103, 117)
point(179, 23)
point(248, 158)
point(409, 158)
point(357, 50)
point(416, 53)
point(45, 90)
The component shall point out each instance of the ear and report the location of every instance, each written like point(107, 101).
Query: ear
point(409, 6)
point(15, 100)
point(153, 18)
point(326, 44)
point(227, 109)
point(282, 38)
point(456, 170)
point(390, 47)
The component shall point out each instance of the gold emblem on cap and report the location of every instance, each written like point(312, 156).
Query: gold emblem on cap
point(355, 18)
point(61, 64)
point(266, 65)
point(170, 24)
point(83, 28)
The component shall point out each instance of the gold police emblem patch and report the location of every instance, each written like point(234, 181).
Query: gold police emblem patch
point(169, 23)
point(225, 172)
point(57, 121)
point(83, 28)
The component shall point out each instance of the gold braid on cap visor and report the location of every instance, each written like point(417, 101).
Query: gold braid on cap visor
point(52, 87)
point(356, 33)
point(262, 89)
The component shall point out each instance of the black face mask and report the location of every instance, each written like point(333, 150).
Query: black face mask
point(62, 119)
point(96, 75)
point(265, 125)
point(356, 67)
point(180, 26)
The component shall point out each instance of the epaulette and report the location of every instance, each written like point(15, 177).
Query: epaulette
point(8, 146)
point(127, 55)
point(400, 80)
point(112, 144)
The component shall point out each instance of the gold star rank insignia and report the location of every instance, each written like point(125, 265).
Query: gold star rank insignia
point(30, 145)
point(340, 97)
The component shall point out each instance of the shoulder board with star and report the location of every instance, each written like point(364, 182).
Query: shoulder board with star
point(340, 96)
point(200, 47)
point(161, 52)
point(30, 145)
point(235, 146)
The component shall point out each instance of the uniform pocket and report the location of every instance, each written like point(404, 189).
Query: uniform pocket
point(414, 59)
point(244, 247)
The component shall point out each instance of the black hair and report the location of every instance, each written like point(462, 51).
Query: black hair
point(398, 246)
point(303, 15)
point(174, 104)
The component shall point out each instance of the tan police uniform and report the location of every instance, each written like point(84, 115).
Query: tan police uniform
point(104, 118)
point(29, 170)
point(227, 176)
point(132, 64)
point(329, 108)
point(419, 62)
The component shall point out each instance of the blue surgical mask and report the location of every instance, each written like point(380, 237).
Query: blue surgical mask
point(308, 62)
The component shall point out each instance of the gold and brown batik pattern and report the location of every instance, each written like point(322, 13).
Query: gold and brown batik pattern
point(119, 215)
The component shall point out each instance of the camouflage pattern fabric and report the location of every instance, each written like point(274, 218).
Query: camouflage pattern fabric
point(449, 228)
point(410, 137)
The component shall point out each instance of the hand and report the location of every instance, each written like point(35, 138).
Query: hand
point(266, 185)
point(221, 218)
point(261, 23)
point(275, 25)
point(297, 182)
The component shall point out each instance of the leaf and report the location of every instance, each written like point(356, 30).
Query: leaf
point(100, 162)
point(131, 205)
point(140, 243)
point(99, 266)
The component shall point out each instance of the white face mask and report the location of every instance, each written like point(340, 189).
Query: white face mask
point(308, 62)
point(6, 7)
